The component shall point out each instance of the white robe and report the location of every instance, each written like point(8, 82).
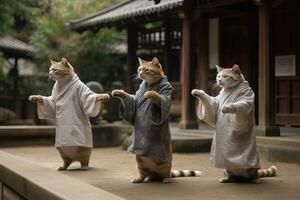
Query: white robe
point(71, 107)
point(234, 141)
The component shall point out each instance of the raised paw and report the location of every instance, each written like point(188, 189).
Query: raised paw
point(119, 93)
point(151, 94)
point(102, 97)
point(198, 93)
point(229, 108)
point(35, 98)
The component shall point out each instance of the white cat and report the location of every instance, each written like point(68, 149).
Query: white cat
point(231, 113)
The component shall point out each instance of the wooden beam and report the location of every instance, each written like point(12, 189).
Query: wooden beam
point(220, 3)
point(266, 76)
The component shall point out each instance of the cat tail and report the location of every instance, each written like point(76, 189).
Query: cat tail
point(185, 173)
point(271, 171)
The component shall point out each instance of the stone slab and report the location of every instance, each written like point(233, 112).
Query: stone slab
point(35, 182)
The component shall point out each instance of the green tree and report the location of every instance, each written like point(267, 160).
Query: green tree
point(87, 52)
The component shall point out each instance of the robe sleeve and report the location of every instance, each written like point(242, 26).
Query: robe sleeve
point(127, 108)
point(88, 102)
point(207, 110)
point(161, 114)
point(243, 120)
point(46, 110)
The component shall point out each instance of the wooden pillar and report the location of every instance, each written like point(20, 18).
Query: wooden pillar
point(202, 54)
point(266, 73)
point(188, 66)
point(131, 54)
point(168, 50)
point(15, 75)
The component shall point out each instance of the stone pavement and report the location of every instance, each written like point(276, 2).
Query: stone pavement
point(112, 169)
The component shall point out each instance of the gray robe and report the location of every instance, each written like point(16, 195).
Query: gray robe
point(71, 107)
point(234, 141)
point(151, 133)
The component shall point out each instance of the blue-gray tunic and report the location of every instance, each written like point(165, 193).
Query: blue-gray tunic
point(151, 133)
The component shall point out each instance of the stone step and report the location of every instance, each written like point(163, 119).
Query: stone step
point(22, 179)
point(275, 149)
point(279, 149)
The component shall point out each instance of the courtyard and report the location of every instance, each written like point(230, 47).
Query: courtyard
point(112, 169)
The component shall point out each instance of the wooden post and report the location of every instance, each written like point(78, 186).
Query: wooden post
point(15, 76)
point(188, 66)
point(131, 54)
point(168, 50)
point(266, 75)
point(202, 53)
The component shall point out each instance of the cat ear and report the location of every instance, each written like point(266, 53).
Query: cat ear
point(219, 68)
point(235, 68)
point(141, 61)
point(52, 62)
point(155, 61)
point(65, 62)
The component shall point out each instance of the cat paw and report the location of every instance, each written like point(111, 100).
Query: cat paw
point(154, 96)
point(84, 168)
point(224, 180)
point(35, 98)
point(151, 94)
point(119, 93)
point(61, 169)
point(198, 93)
point(137, 180)
point(256, 181)
point(166, 180)
point(229, 108)
point(102, 97)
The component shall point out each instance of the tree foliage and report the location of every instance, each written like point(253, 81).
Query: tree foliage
point(43, 23)
point(87, 52)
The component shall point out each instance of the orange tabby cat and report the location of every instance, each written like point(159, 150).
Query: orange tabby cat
point(70, 104)
point(148, 110)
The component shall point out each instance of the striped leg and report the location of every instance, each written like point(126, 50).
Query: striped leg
point(143, 172)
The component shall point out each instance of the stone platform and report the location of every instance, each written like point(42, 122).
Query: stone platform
point(31, 171)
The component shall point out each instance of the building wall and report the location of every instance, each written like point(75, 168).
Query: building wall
point(286, 50)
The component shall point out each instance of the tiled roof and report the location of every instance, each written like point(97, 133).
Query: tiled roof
point(124, 10)
point(10, 46)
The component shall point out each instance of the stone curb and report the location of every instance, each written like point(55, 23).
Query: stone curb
point(34, 182)
point(104, 135)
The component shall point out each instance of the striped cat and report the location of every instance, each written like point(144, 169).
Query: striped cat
point(148, 110)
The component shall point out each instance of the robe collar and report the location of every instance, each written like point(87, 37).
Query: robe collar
point(59, 92)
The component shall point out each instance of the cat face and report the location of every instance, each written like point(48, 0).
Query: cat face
point(229, 77)
point(60, 70)
point(150, 71)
